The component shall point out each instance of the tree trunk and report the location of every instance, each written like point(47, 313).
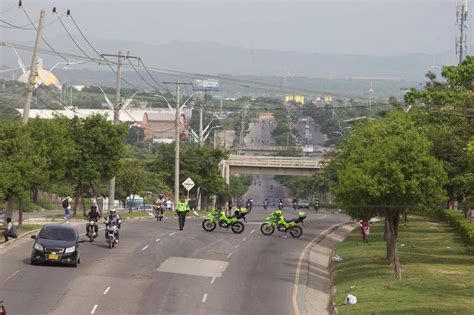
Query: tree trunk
point(388, 240)
point(83, 206)
point(451, 203)
point(385, 230)
point(20, 211)
point(405, 215)
point(9, 210)
point(395, 259)
point(77, 195)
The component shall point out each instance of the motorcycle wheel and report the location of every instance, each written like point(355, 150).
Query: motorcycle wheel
point(91, 238)
point(296, 231)
point(267, 229)
point(237, 227)
point(208, 225)
point(110, 243)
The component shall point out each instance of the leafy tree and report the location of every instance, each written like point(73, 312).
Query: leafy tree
point(19, 164)
point(99, 146)
point(384, 168)
point(444, 107)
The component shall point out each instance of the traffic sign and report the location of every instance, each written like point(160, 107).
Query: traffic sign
point(188, 184)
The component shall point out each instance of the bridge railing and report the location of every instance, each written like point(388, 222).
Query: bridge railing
point(236, 160)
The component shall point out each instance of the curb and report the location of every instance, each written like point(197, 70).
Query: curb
point(305, 265)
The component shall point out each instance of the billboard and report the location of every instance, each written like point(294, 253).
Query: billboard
point(206, 85)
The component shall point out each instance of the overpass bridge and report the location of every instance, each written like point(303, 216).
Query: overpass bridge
point(270, 165)
point(276, 148)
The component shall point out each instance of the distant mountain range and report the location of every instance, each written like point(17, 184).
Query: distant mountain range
point(282, 66)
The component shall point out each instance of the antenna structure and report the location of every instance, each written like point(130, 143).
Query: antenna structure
point(461, 21)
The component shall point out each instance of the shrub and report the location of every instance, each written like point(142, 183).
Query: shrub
point(457, 220)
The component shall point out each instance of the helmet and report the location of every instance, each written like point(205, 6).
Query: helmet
point(161, 195)
point(277, 213)
point(94, 207)
point(113, 211)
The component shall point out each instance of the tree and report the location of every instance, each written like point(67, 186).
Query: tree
point(384, 167)
point(100, 147)
point(19, 165)
point(443, 108)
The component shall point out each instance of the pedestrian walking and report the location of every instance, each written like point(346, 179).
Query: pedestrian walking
point(10, 231)
point(66, 203)
point(182, 209)
point(364, 230)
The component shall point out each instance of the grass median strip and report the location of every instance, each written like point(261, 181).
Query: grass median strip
point(438, 272)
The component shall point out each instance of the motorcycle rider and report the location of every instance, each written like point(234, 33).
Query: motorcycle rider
point(160, 204)
point(295, 204)
point(266, 202)
point(113, 219)
point(280, 204)
point(93, 215)
point(249, 204)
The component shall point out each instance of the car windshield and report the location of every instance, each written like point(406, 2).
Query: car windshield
point(60, 234)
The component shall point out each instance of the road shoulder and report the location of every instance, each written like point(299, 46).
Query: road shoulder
point(313, 294)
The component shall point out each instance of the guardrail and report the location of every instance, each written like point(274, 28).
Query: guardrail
point(269, 161)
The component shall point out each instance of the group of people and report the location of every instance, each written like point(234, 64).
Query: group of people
point(266, 203)
point(247, 204)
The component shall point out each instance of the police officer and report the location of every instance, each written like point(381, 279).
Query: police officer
point(182, 208)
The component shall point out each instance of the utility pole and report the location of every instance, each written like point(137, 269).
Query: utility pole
point(201, 135)
point(176, 138)
point(33, 69)
point(461, 20)
point(242, 125)
point(116, 109)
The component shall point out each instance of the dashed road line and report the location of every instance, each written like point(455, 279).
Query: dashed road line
point(106, 290)
point(237, 246)
point(12, 275)
point(213, 279)
point(251, 232)
point(244, 239)
point(230, 254)
point(145, 247)
point(171, 234)
point(157, 240)
point(204, 298)
point(93, 309)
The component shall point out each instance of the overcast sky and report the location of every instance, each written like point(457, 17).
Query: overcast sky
point(382, 27)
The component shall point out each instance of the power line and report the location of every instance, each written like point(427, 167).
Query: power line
point(153, 79)
point(10, 25)
point(45, 41)
point(72, 38)
point(140, 76)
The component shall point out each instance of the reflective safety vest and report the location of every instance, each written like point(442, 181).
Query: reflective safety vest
point(182, 206)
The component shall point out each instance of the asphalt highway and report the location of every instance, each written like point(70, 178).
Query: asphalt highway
point(157, 269)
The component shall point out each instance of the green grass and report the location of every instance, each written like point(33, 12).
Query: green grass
point(24, 228)
point(437, 270)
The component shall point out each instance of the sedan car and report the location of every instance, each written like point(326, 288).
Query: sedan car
point(56, 243)
point(303, 204)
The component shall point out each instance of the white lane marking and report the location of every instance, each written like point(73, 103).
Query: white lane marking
point(93, 309)
point(244, 239)
point(213, 279)
point(171, 234)
point(12, 275)
point(145, 247)
point(237, 246)
point(324, 217)
point(230, 254)
point(106, 290)
point(252, 231)
point(204, 298)
point(157, 240)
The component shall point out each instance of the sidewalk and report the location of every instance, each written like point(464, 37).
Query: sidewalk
point(315, 287)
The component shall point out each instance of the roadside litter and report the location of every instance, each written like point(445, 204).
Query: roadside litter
point(337, 258)
point(350, 299)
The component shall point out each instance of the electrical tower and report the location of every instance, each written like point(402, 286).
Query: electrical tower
point(461, 21)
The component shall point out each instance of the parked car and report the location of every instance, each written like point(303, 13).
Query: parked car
point(303, 204)
point(56, 243)
point(146, 208)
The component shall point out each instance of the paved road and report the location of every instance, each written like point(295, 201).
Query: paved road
point(150, 272)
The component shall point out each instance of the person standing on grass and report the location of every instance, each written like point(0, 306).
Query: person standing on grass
point(10, 231)
point(66, 203)
point(364, 230)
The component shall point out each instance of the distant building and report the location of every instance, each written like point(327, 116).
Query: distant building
point(159, 125)
point(294, 98)
point(44, 76)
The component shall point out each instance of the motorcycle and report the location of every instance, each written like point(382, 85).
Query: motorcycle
point(278, 221)
point(217, 217)
point(159, 213)
point(111, 234)
point(92, 230)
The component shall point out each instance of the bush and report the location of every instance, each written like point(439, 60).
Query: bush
point(457, 220)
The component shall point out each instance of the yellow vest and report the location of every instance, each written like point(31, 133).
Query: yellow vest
point(182, 206)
